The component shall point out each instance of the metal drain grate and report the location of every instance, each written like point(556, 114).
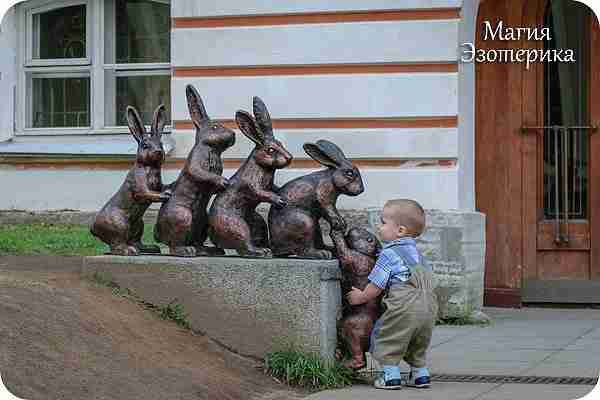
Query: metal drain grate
point(554, 380)
point(370, 374)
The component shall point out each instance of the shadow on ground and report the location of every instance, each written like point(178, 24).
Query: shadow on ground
point(64, 338)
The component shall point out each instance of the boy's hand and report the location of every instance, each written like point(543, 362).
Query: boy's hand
point(355, 296)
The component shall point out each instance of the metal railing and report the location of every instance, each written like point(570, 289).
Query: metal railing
point(565, 131)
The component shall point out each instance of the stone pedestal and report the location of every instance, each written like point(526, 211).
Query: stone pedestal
point(249, 305)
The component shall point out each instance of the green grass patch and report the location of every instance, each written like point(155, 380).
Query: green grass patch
point(174, 312)
point(54, 239)
point(295, 367)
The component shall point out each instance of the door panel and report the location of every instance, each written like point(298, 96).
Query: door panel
point(526, 181)
point(563, 265)
point(564, 171)
point(578, 234)
point(595, 148)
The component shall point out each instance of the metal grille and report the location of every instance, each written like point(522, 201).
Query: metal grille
point(565, 92)
point(369, 375)
point(554, 380)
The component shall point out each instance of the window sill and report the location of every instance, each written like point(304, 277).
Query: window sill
point(105, 146)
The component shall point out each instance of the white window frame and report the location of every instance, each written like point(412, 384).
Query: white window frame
point(93, 64)
point(32, 62)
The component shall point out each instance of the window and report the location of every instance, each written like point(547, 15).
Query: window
point(84, 61)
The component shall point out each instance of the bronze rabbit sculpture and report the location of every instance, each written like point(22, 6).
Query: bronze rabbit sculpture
point(119, 223)
point(182, 220)
point(234, 222)
point(295, 229)
point(357, 253)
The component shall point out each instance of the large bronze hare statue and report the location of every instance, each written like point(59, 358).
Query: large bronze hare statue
point(234, 222)
point(119, 223)
point(295, 229)
point(182, 221)
point(357, 252)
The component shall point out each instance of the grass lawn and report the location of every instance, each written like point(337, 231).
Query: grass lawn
point(50, 239)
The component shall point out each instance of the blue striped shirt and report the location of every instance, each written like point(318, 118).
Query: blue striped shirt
point(390, 268)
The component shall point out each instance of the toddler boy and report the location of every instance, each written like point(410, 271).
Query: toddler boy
point(404, 330)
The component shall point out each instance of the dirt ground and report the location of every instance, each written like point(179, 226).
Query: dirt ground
point(64, 338)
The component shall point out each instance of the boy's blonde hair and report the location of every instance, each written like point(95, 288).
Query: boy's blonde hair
point(409, 213)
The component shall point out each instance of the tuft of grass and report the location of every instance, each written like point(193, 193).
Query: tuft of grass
point(104, 279)
point(174, 312)
point(295, 367)
point(54, 239)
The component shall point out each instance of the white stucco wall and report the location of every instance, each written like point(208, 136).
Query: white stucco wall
point(333, 96)
point(313, 96)
point(7, 74)
point(466, 109)
point(88, 190)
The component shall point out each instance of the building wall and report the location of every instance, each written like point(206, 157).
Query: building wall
point(7, 73)
point(386, 86)
point(383, 85)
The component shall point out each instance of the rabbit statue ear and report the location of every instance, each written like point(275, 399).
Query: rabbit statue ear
point(249, 128)
point(263, 119)
point(196, 106)
point(318, 155)
point(332, 151)
point(136, 125)
point(159, 120)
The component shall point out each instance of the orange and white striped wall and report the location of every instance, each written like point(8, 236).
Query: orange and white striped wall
point(380, 78)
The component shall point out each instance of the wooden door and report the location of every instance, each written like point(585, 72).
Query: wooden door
point(560, 265)
point(543, 209)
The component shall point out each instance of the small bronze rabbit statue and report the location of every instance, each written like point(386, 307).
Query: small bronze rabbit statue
point(182, 220)
point(234, 222)
point(357, 253)
point(119, 223)
point(295, 229)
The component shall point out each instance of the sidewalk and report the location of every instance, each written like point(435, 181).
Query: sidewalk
point(526, 342)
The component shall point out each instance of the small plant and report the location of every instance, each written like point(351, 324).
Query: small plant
point(171, 312)
point(295, 367)
point(104, 279)
point(174, 312)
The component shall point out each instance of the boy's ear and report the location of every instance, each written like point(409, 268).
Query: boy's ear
point(402, 231)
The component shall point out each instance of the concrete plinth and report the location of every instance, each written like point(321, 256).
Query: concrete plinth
point(249, 305)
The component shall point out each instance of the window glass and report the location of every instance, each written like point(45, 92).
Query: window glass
point(60, 102)
point(565, 104)
point(142, 31)
point(144, 92)
point(60, 33)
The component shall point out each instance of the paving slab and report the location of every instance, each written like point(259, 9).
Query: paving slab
point(545, 392)
point(584, 368)
point(441, 391)
point(525, 342)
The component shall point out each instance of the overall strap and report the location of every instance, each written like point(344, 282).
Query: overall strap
point(403, 253)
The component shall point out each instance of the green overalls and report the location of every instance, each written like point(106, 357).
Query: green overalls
point(404, 330)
